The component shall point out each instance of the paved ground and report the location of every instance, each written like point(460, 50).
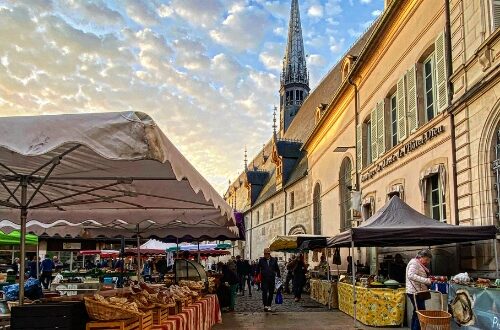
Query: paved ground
point(306, 314)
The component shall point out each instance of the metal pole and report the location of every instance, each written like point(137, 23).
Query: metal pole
point(496, 257)
point(37, 260)
point(198, 251)
point(138, 253)
point(353, 284)
point(71, 261)
point(24, 215)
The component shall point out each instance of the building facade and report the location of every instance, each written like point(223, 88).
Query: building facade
point(411, 110)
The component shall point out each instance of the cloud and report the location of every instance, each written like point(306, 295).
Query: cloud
point(316, 60)
point(202, 13)
point(376, 13)
point(336, 45)
point(243, 29)
point(365, 1)
point(272, 57)
point(141, 12)
point(315, 11)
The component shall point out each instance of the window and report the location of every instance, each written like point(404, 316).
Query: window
point(258, 217)
point(495, 14)
point(394, 119)
point(345, 182)
point(429, 88)
point(263, 231)
point(292, 200)
point(436, 199)
point(496, 171)
point(317, 209)
point(272, 211)
point(369, 143)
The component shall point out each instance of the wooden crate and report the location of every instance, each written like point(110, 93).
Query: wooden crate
point(160, 315)
point(146, 321)
point(64, 315)
point(130, 324)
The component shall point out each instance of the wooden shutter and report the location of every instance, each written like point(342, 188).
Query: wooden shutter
point(359, 147)
point(441, 79)
point(495, 13)
point(374, 136)
point(401, 108)
point(411, 97)
point(381, 128)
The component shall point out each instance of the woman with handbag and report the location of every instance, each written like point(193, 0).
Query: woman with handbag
point(299, 277)
point(417, 281)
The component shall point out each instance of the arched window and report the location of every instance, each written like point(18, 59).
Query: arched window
point(317, 209)
point(345, 182)
point(496, 170)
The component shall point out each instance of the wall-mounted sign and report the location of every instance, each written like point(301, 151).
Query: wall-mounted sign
point(403, 151)
point(72, 246)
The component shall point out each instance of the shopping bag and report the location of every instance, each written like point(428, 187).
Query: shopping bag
point(279, 298)
point(258, 278)
point(278, 283)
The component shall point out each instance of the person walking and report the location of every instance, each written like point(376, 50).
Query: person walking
point(241, 275)
point(247, 277)
point(289, 272)
point(230, 279)
point(269, 270)
point(46, 269)
point(15, 266)
point(299, 277)
point(417, 280)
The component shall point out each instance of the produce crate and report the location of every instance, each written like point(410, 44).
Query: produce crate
point(146, 321)
point(130, 324)
point(160, 315)
point(67, 315)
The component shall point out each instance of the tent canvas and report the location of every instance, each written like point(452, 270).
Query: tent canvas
point(14, 238)
point(397, 224)
point(102, 170)
point(291, 243)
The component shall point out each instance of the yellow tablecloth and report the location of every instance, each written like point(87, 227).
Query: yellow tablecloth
point(375, 307)
point(320, 292)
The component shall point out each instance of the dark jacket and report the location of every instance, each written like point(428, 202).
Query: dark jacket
point(229, 276)
point(269, 268)
point(299, 272)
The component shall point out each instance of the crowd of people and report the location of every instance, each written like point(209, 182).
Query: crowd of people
point(264, 275)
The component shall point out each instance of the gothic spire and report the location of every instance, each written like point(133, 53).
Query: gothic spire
point(274, 121)
point(294, 63)
point(246, 159)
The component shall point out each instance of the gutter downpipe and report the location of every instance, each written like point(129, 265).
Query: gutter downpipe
point(449, 70)
point(356, 95)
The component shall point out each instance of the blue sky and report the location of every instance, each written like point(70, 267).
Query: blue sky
point(206, 70)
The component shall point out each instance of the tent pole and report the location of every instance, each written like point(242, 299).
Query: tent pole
point(353, 285)
point(138, 253)
point(496, 256)
point(24, 215)
point(71, 261)
point(37, 259)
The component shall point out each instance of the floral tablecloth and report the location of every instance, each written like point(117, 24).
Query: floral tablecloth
point(375, 307)
point(320, 292)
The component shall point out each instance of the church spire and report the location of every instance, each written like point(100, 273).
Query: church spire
point(294, 76)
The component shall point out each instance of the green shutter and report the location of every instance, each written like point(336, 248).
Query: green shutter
point(401, 108)
point(374, 136)
point(441, 79)
point(495, 9)
point(359, 148)
point(411, 97)
point(381, 128)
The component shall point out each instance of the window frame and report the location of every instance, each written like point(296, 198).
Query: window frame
point(393, 117)
point(435, 186)
point(272, 211)
point(317, 209)
point(345, 179)
point(292, 200)
point(368, 142)
point(432, 60)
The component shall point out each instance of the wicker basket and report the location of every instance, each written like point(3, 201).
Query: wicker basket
point(435, 320)
point(105, 312)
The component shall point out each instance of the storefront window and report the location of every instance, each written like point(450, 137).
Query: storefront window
point(345, 182)
point(496, 171)
point(436, 199)
point(317, 209)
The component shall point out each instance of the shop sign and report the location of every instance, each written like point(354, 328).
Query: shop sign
point(72, 246)
point(403, 151)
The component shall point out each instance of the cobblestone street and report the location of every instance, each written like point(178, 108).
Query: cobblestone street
point(306, 314)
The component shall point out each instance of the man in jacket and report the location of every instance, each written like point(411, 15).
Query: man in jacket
point(269, 270)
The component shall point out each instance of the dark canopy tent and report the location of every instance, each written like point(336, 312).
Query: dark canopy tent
point(397, 224)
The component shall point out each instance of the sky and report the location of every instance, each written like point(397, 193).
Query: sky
point(207, 71)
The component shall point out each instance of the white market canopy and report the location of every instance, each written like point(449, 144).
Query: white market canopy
point(114, 170)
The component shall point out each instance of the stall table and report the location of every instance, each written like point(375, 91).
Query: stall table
point(375, 307)
point(324, 292)
point(199, 315)
point(485, 307)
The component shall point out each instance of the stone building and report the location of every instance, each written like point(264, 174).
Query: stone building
point(411, 110)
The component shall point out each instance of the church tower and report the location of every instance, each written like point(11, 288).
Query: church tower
point(294, 86)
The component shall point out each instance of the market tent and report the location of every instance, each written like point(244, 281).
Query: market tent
point(156, 245)
point(397, 224)
point(192, 247)
point(115, 170)
point(14, 238)
point(291, 243)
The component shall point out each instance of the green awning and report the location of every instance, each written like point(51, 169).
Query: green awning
point(14, 238)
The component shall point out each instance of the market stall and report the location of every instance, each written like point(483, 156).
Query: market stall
point(325, 292)
point(397, 224)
